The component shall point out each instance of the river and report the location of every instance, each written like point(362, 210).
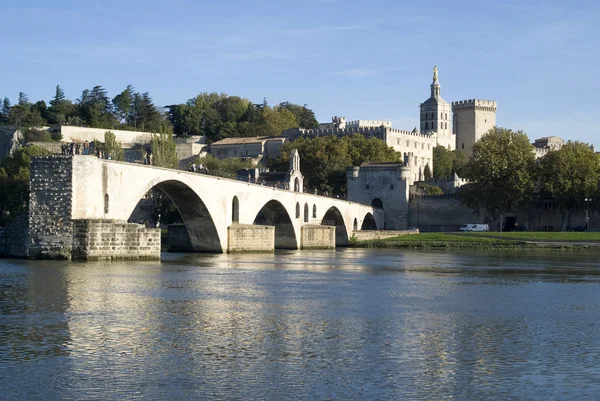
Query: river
point(347, 324)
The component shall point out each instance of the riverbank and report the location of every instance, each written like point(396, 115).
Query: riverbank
point(546, 240)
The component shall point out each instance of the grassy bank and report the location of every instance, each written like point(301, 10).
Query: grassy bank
point(539, 236)
point(484, 241)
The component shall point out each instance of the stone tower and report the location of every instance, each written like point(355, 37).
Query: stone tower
point(435, 115)
point(472, 118)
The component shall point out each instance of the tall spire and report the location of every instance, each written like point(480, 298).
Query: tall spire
point(435, 86)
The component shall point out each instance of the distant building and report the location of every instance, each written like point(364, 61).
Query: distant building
point(541, 146)
point(252, 147)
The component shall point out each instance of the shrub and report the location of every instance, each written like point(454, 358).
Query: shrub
point(36, 135)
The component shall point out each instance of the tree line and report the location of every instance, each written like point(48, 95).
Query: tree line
point(504, 173)
point(214, 115)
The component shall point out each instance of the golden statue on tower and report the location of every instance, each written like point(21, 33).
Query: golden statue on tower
point(435, 70)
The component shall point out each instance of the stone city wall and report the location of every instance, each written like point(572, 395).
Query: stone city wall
point(112, 240)
point(250, 238)
point(50, 206)
point(13, 237)
point(439, 213)
point(317, 237)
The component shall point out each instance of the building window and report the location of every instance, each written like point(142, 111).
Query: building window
point(367, 186)
point(297, 210)
point(446, 116)
point(407, 143)
point(426, 125)
point(314, 211)
point(428, 146)
point(391, 186)
point(422, 146)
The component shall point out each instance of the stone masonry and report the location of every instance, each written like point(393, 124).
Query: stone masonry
point(109, 239)
point(50, 205)
point(318, 237)
point(250, 238)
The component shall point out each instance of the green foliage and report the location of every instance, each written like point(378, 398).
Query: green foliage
point(432, 189)
point(223, 167)
point(570, 174)
point(324, 159)
point(36, 135)
point(14, 182)
point(305, 117)
point(500, 171)
point(446, 162)
point(219, 116)
point(164, 152)
point(112, 148)
point(427, 173)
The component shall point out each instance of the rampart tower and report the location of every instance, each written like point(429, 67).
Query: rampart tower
point(435, 115)
point(472, 118)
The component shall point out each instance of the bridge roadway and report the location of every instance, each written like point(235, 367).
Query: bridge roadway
point(208, 205)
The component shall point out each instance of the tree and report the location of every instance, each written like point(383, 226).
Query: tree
point(23, 99)
point(223, 167)
point(427, 173)
point(5, 111)
point(14, 182)
point(122, 103)
point(112, 148)
point(443, 160)
point(500, 171)
point(164, 152)
point(571, 175)
point(459, 162)
point(305, 117)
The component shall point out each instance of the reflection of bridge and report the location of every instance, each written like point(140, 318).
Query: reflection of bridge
point(108, 190)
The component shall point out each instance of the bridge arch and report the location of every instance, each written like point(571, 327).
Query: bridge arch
point(369, 222)
point(273, 213)
point(333, 217)
point(196, 217)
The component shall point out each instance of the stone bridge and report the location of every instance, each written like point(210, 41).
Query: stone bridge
point(68, 190)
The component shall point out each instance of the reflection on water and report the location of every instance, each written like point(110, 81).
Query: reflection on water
point(352, 324)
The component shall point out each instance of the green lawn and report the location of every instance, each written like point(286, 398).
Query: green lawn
point(537, 236)
point(442, 237)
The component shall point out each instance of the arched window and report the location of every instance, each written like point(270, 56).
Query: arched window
point(235, 210)
point(105, 203)
point(306, 212)
point(355, 225)
point(297, 210)
point(314, 211)
point(297, 185)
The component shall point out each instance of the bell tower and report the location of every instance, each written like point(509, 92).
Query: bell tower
point(435, 115)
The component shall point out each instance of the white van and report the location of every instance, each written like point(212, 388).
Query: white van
point(475, 227)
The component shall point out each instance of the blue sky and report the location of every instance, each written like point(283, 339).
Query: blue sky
point(363, 60)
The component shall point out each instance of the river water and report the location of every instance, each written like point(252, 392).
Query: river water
point(346, 324)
